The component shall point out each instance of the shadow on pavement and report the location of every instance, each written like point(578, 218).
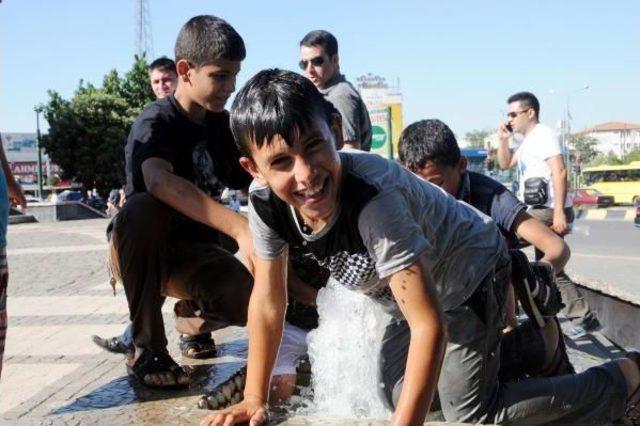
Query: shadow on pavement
point(127, 390)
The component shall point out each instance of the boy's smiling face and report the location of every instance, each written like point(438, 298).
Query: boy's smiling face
point(306, 175)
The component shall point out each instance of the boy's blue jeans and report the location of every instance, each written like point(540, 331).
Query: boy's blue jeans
point(469, 387)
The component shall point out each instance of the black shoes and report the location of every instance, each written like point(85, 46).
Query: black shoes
point(114, 345)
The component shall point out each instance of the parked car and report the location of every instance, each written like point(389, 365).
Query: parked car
point(68, 195)
point(591, 197)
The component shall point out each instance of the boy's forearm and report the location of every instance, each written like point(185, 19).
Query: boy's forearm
point(8, 174)
point(189, 200)
point(266, 318)
point(426, 350)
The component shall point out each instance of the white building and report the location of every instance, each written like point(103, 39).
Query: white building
point(619, 137)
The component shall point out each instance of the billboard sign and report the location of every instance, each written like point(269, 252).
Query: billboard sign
point(381, 132)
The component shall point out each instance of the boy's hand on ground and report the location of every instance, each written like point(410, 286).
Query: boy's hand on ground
point(250, 410)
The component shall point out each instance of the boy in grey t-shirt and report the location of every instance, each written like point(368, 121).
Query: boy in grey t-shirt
point(433, 261)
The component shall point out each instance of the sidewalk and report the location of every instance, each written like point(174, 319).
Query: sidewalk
point(54, 374)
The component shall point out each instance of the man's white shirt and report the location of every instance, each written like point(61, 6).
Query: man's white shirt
point(536, 148)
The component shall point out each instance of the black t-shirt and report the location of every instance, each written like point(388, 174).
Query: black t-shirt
point(493, 199)
point(204, 154)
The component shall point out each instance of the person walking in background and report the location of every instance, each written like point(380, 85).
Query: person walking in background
point(10, 195)
point(543, 186)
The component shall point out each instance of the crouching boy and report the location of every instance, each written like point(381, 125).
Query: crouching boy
point(430, 260)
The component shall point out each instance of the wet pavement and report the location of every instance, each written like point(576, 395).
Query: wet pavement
point(54, 374)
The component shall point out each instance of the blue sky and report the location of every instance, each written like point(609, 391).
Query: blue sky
point(456, 60)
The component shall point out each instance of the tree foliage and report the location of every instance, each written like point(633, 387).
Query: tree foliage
point(633, 156)
point(87, 133)
point(609, 159)
point(477, 138)
point(584, 148)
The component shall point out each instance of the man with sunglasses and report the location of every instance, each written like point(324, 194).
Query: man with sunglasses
point(543, 186)
point(320, 62)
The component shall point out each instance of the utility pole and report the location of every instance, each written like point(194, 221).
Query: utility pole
point(38, 109)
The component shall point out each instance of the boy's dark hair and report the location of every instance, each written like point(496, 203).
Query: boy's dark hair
point(162, 64)
point(206, 38)
point(321, 38)
point(527, 100)
point(428, 140)
point(276, 102)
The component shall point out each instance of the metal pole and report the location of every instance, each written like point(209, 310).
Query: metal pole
point(38, 110)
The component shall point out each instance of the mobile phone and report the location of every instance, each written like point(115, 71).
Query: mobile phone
point(509, 127)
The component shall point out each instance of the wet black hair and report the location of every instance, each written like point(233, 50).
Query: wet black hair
point(321, 38)
point(428, 140)
point(205, 38)
point(276, 102)
point(527, 100)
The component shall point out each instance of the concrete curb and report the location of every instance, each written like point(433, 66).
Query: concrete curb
point(625, 214)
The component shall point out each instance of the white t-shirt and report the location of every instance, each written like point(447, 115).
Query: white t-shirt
point(536, 148)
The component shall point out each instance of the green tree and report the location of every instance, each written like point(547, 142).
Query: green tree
point(476, 138)
point(633, 156)
point(86, 137)
point(87, 133)
point(609, 159)
point(584, 148)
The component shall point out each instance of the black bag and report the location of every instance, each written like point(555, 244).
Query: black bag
point(536, 191)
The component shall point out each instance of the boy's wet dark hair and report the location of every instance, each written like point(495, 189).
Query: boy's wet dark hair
point(321, 38)
point(527, 100)
point(162, 64)
point(428, 140)
point(276, 102)
point(206, 38)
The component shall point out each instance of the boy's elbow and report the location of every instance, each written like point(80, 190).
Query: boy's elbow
point(156, 185)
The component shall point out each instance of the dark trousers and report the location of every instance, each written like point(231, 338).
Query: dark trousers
point(576, 307)
point(470, 386)
point(154, 261)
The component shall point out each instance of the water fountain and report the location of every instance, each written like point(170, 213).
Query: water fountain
point(344, 352)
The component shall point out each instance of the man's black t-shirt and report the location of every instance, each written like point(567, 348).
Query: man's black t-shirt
point(204, 154)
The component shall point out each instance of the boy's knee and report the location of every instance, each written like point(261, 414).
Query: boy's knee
point(143, 213)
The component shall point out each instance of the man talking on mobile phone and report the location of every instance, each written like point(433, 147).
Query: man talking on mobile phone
point(543, 187)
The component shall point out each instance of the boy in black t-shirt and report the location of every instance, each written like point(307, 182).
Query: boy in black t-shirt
point(166, 240)
point(429, 149)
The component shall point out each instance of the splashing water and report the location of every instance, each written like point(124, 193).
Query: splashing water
point(344, 353)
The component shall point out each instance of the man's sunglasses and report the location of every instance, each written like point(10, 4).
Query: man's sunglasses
point(514, 114)
point(316, 62)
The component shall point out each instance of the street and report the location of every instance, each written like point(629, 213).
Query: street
point(606, 255)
